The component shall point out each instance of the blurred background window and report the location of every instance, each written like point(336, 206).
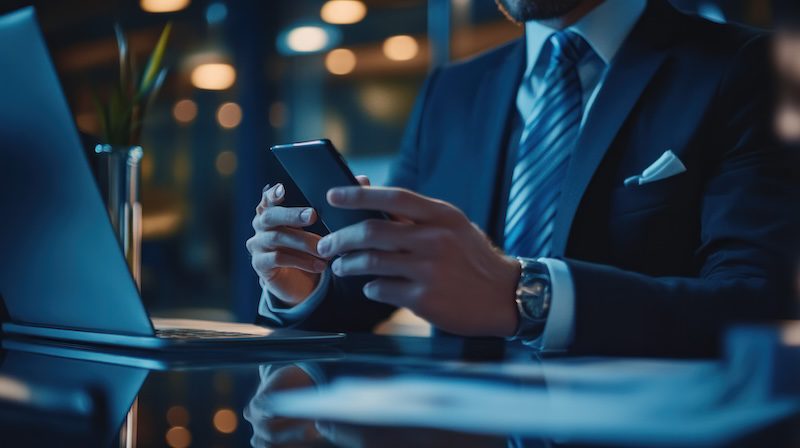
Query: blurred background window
point(246, 74)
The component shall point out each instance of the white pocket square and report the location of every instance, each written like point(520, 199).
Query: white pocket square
point(667, 165)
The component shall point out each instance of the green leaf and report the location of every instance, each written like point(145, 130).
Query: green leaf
point(154, 63)
point(147, 96)
point(124, 68)
point(102, 115)
point(119, 107)
point(144, 103)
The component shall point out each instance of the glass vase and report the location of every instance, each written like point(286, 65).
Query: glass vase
point(118, 175)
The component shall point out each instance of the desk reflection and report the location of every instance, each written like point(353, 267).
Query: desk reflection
point(401, 395)
point(271, 430)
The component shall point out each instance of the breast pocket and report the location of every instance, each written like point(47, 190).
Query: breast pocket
point(650, 196)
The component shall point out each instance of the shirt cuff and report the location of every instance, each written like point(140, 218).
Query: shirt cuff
point(560, 326)
point(283, 315)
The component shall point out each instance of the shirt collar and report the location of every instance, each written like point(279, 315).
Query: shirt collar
point(604, 28)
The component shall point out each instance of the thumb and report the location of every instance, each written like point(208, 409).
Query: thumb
point(363, 180)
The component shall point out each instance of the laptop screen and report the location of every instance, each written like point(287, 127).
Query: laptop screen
point(60, 263)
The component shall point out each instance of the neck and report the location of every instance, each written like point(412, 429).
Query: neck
point(568, 19)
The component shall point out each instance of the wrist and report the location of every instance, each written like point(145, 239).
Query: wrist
point(509, 317)
point(298, 290)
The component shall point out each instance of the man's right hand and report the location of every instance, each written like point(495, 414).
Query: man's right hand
point(283, 254)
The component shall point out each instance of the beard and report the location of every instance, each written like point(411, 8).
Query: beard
point(520, 11)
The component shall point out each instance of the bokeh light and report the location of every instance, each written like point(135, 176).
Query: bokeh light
point(163, 5)
point(216, 13)
point(225, 421)
point(400, 48)
point(226, 163)
point(229, 115)
point(306, 39)
point(87, 122)
point(343, 12)
point(340, 61)
point(178, 416)
point(277, 114)
point(184, 111)
point(217, 76)
point(178, 437)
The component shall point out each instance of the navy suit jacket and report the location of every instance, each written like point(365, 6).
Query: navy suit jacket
point(659, 268)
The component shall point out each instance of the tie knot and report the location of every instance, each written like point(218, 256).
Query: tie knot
point(568, 47)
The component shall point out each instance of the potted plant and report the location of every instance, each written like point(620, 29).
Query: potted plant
point(121, 117)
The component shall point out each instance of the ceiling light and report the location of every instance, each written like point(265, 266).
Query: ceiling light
point(307, 39)
point(343, 12)
point(163, 5)
point(217, 76)
point(400, 48)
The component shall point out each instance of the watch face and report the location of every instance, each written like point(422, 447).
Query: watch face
point(533, 307)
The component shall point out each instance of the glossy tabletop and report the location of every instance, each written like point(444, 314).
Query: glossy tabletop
point(393, 391)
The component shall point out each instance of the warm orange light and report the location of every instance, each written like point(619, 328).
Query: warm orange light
point(184, 111)
point(163, 5)
point(178, 437)
point(229, 115)
point(340, 61)
point(213, 76)
point(177, 416)
point(343, 12)
point(400, 48)
point(226, 163)
point(277, 114)
point(225, 421)
point(87, 122)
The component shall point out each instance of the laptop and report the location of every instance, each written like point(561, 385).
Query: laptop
point(62, 273)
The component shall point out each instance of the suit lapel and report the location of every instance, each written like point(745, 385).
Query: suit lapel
point(629, 74)
point(491, 118)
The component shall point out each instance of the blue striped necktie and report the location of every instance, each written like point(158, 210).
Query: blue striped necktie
point(548, 139)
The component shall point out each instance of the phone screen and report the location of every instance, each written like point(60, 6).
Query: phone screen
point(316, 167)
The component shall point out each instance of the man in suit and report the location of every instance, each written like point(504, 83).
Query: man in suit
point(606, 184)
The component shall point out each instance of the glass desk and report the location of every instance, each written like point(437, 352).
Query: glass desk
point(378, 391)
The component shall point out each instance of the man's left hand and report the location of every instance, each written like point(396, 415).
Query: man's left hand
point(430, 259)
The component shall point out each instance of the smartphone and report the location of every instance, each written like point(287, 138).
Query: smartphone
point(316, 166)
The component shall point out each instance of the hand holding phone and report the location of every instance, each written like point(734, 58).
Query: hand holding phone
point(315, 167)
point(284, 254)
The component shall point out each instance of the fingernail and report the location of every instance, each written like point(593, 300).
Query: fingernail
point(336, 266)
point(368, 289)
point(279, 191)
point(305, 215)
point(335, 194)
point(322, 246)
point(320, 265)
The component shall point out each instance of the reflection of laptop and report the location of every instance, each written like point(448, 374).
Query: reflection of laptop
point(72, 402)
point(62, 273)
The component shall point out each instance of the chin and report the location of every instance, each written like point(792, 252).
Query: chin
point(520, 11)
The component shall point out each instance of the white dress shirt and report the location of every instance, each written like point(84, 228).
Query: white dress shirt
point(604, 28)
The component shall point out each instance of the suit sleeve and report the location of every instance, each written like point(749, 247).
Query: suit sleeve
point(343, 306)
point(749, 230)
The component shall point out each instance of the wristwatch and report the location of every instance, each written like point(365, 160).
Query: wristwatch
point(533, 299)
